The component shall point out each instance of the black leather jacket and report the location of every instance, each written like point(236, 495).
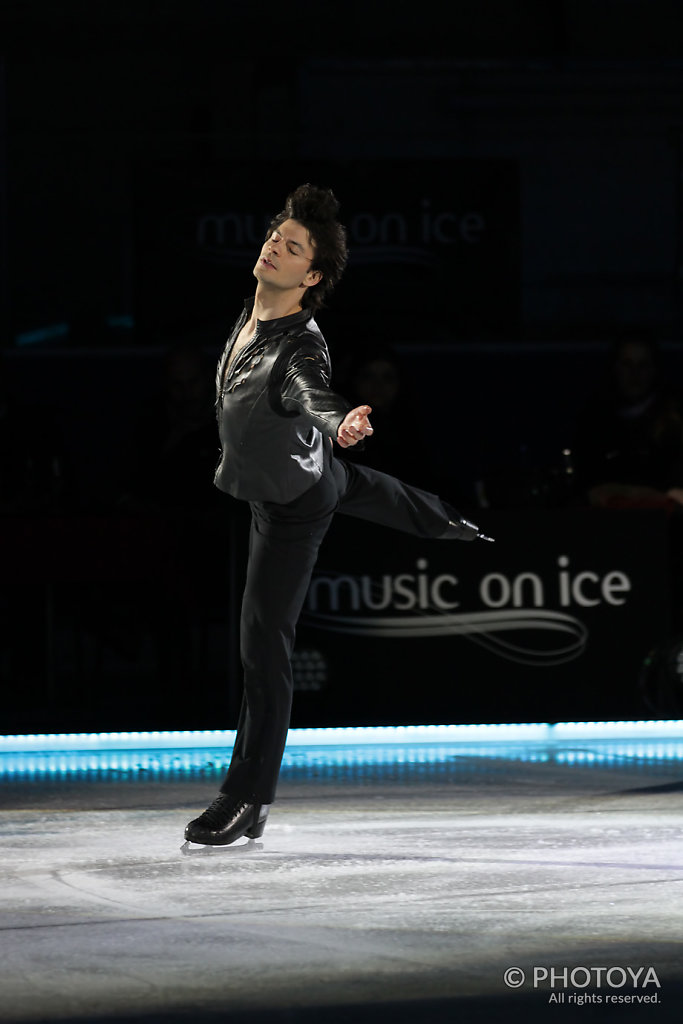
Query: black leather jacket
point(275, 409)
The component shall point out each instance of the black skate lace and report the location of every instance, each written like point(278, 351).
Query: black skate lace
point(218, 813)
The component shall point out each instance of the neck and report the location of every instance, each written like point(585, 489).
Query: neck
point(270, 305)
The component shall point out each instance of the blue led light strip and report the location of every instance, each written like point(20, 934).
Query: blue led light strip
point(350, 736)
point(319, 752)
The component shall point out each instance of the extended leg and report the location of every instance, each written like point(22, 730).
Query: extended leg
point(380, 498)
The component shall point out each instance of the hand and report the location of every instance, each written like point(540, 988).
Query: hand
point(354, 427)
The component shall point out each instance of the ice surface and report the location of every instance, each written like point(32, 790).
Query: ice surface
point(377, 894)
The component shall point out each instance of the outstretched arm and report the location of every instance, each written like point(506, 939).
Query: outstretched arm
point(354, 427)
point(305, 389)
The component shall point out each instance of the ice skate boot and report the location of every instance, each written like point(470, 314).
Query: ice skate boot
point(226, 820)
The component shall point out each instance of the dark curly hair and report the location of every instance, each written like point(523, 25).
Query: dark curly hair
point(316, 209)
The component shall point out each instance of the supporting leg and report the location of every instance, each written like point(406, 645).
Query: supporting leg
point(281, 560)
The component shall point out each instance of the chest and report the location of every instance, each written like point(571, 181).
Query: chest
point(241, 341)
point(248, 356)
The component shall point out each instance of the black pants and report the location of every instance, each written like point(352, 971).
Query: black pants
point(283, 548)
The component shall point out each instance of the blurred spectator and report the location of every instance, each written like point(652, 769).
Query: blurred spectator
point(629, 442)
point(174, 444)
point(34, 484)
point(397, 447)
point(168, 479)
point(35, 474)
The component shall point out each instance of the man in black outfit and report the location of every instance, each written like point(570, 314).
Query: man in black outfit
point(278, 421)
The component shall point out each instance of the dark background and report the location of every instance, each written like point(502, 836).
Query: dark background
point(123, 124)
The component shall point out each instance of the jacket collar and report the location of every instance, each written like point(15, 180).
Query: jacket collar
point(281, 323)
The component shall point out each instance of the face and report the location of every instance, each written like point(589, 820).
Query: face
point(285, 260)
point(635, 371)
point(186, 380)
point(377, 383)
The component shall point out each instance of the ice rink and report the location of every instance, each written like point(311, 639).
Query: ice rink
point(394, 881)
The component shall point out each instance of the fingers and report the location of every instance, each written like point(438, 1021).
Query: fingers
point(348, 436)
point(354, 432)
point(357, 431)
point(358, 422)
point(354, 427)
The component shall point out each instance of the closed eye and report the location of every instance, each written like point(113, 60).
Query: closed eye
point(293, 248)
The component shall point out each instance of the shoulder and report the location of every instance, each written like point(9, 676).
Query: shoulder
point(307, 341)
point(306, 328)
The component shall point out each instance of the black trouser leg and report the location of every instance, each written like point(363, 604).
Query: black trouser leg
point(283, 549)
point(380, 498)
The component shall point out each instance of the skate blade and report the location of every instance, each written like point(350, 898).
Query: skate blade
point(189, 849)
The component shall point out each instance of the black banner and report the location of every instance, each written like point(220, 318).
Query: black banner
point(550, 623)
point(434, 245)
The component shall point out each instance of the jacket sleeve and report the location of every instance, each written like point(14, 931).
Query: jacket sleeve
point(305, 391)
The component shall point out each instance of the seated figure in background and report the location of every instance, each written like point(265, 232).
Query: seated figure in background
point(629, 442)
point(375, 378)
